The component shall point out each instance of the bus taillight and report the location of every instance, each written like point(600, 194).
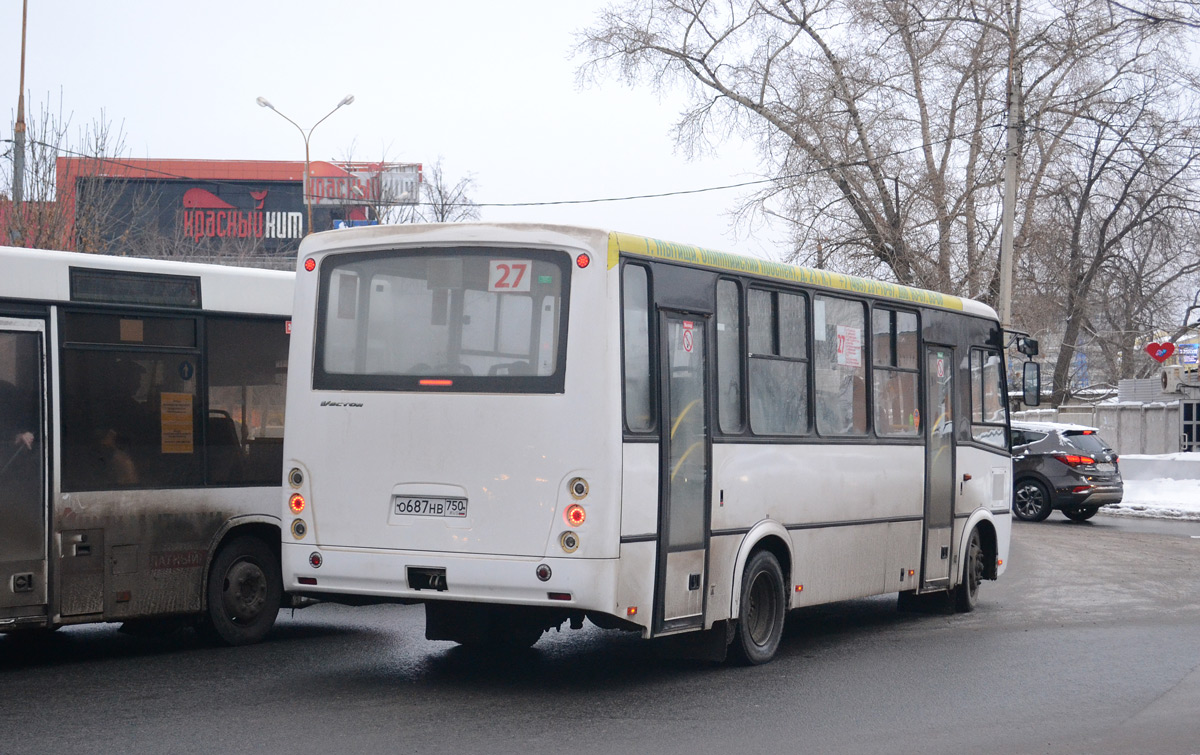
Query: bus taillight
point(575, 515)
point(310, 264)
point(296, 503)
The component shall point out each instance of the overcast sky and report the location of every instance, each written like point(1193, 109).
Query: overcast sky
point(490, 87)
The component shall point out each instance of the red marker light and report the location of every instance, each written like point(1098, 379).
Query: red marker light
point(310, 264)
point(296, 503)
point(575, 515)
point(583, 260)
point(436, 382)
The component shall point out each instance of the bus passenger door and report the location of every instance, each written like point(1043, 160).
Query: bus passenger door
point(683, 474)
point(23, 535)
point(939, 465)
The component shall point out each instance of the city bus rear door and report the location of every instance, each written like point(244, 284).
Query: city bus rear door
point(23, 479)
point(684, 474)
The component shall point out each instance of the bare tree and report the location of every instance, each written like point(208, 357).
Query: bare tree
point(881, 123)
point(59, 217)
point(443, 201)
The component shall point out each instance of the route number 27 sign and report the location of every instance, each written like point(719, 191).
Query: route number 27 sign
point(509, 276)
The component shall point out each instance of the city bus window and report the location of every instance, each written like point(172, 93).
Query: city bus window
point(635, 302)
point(894, 348)
point(390, 320)
point(841, 372)
point(988, 410)
point(729, 357)
point(778, 363)
point(130, 419)
point(247, 368)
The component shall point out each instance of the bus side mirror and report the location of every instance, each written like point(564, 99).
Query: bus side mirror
point(1031, 383)
point(1027, 346)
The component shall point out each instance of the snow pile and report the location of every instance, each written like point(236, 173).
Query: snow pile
point(1165, 487)
point(1162, 498)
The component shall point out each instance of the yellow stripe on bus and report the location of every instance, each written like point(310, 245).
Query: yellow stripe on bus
point(641, 246)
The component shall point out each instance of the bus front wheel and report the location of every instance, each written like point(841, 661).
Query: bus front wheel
point(763, 608)
point(243, 593)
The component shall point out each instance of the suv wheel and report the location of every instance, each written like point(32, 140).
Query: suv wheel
point(1031, 501)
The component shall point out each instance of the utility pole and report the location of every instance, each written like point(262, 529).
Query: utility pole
point(19, 130)
point(1011, 157)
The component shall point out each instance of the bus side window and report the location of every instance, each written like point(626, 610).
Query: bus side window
point(988, 410)
point(841, 372)
point(729, 357)
point(778, 357)
point(635, 317)
point(246, 385)
point(894, 349)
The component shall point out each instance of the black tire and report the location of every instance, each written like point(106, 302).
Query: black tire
point(1031, 501)
point(966, 595)
point(1081, 515)
point(243, 593)
point(763, 609)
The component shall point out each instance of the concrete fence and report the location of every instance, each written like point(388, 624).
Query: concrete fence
point(1132, 428)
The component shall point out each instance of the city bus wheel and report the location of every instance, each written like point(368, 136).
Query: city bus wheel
point(1031, 501)
point(1081, 515)
point(243, 593)
point(763, 608)
point(966, 595)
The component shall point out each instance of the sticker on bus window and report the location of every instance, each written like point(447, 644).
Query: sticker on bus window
point(509, 276)
point(849, 346)
point(177, 428)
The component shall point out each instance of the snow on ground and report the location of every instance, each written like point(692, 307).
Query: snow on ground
point(1162, 487)
point(1161, 499)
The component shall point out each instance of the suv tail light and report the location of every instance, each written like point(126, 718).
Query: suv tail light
point(1075, 460)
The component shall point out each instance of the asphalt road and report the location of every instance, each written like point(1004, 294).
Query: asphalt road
point(1089, 644)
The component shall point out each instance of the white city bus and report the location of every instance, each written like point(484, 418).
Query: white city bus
point(141, 442)
point(520, 425)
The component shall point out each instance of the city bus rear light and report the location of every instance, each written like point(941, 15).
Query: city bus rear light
point(436, 382)
point(583, 261)
point(296, 503)
point(575, 515)
point(558, 595)
point(631, 611)
point(310, 264)
point(308, 580)
point(315, 560)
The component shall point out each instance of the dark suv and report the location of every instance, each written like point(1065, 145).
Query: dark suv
point(1064, 467)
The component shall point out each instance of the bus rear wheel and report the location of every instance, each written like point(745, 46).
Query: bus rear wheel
point(244, 592)
point(763, 609)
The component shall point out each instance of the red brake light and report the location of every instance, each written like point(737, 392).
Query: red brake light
point(583, 260)
point(1075, 460)
point(575, 515)
point(310, 264)
point(296, 503)
point(435, 381)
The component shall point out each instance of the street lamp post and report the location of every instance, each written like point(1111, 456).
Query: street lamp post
point(263, 102)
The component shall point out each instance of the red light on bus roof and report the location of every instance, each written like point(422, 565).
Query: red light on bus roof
point(583, 261)
point(310, 264)
point(435, 382)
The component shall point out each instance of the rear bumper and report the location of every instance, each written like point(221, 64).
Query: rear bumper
point(575, 583)
point(1097, 495)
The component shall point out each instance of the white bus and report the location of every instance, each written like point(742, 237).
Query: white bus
point(520, 425)
point(141, 442)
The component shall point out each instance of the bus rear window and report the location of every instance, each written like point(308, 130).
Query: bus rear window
point(462, 319)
